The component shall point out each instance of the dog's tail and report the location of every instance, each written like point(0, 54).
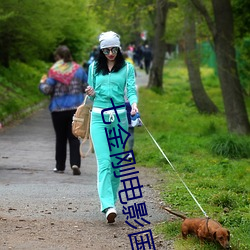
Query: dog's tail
point(175, 213)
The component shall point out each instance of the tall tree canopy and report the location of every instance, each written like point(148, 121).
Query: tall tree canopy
point(126, 17)
point(27, 32)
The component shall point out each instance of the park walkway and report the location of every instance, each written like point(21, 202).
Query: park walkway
point(40, 209)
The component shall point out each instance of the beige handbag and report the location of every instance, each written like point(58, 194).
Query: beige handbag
point(81, 126)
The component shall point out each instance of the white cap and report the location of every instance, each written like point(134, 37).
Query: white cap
point(109, 39)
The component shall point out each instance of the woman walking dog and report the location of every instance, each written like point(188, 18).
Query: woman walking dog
point(108, 77)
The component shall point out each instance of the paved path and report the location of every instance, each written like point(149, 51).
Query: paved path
point(29, 189)
point(141, 78)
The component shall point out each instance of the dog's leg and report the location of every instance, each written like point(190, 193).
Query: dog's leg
point(184, 235)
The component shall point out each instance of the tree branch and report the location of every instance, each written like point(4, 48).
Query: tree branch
point(172, 5)
point(202, 9)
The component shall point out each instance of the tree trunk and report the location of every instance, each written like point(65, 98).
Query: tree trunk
point(201, 99)
point(159, 47)
point(235, 109)
point(223, 38)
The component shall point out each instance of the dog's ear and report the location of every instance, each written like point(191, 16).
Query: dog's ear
point(228, 237)
point(214, 235)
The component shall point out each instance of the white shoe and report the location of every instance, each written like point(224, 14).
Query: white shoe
point(58, 171)
point(130, 157)
point(111, 214)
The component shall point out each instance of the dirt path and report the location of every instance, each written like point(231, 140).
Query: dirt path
point(43, 210)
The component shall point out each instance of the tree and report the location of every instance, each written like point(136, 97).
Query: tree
point(242, 33)
point(223, 38)
point(23, 33)
point(241, 17)
point(28, 33)
point(128, 18)
point(201, 99)
point(159, 46)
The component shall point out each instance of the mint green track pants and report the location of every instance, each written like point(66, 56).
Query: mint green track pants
point(107, 183)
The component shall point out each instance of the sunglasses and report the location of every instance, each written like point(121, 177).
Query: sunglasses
point(106, 51)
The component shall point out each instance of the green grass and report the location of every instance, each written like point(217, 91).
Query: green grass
point(214, 164)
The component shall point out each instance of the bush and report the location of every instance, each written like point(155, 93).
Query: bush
point(19, 88)
point(224, 200)
point(231, 146)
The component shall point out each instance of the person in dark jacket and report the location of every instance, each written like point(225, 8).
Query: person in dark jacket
point(147, 54)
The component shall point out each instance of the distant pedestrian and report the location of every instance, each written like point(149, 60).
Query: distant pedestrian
point(147, 54)
point(93, 55)
point(65, 84)
point(138, 56)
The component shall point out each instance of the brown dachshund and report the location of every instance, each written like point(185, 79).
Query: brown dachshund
point(204, 229)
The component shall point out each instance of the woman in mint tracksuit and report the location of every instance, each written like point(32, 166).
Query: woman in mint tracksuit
point(108, 77)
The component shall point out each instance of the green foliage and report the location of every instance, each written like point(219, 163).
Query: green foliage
point(243, 59)
point(176, 18)
point(219, 183)
point(241, 17)
point(29, 33)
point(175, 25)
point(128, 18)
point(19, 87)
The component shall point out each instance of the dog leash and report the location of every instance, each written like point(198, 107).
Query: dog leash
point(174, 170)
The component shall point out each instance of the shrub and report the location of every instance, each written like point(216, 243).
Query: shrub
point(223, 200)
point(231, 146)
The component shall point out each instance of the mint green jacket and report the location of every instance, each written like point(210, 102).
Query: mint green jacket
point(113, 85)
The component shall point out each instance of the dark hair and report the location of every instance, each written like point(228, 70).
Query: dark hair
point(64, 53)
point(102, 67)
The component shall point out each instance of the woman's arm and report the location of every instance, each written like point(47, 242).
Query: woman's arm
point(131, 89)
point(46, 85)
point(90, 88)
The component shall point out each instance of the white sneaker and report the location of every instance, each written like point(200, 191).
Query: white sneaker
point(58, 171)
point(111, 214)
point(130, 157)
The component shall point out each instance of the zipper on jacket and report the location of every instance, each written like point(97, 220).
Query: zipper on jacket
point(109, 83)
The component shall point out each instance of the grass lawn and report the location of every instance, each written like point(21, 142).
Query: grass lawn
point(214, 164)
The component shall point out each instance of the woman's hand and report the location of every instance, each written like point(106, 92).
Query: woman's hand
point(90, 91)
point(134, 109)
point(43, 79)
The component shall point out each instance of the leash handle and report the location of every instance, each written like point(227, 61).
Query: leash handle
point(174, 170)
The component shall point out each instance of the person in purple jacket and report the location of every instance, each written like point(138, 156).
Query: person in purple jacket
point(65, 83)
